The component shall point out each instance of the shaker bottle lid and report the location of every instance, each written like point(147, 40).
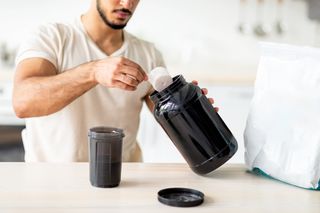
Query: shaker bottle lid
point(103, 132)
point(180, 197)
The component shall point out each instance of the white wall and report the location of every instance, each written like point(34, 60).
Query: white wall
point(20, 17)
point(201, 36)
point(197, 38)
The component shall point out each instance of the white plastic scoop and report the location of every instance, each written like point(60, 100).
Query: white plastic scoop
point(160, 78)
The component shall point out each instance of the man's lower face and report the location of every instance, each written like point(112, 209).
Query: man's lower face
point(117, 19)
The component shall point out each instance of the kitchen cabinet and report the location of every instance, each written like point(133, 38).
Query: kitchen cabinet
point(10, 134)
point(11, 147)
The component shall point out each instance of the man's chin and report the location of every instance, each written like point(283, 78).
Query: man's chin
point(117, 26)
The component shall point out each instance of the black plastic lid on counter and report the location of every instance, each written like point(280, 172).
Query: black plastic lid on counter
point(180, 197)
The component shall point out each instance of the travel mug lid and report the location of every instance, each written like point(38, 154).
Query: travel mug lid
point(180, 197)
point(102, 132)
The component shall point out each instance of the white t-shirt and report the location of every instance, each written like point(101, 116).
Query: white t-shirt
point(63, 136)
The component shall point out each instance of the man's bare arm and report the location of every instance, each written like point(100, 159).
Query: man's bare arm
point(149, 103)
point(39, 90)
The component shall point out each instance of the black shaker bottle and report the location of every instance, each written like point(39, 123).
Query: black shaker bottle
point(105, 156)
point(194, 127)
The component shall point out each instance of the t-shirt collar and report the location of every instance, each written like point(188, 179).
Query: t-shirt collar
point(118, 52)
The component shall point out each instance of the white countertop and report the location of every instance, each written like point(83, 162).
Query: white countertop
point(46, 187)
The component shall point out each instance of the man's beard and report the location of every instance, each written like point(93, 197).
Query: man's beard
point(109, 23)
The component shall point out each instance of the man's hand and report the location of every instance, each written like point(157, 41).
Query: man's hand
point(205, 92)
point(119, 72)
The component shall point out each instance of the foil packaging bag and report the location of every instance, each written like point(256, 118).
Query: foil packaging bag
point(282, 135)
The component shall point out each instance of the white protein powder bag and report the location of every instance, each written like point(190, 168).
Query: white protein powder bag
point(282, 135)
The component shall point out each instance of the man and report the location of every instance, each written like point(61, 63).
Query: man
point(71, 77)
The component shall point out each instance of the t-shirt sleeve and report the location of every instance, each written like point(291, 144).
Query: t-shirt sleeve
point(44, 43)
point(158, 59)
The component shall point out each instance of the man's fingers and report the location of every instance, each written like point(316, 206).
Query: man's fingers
point(138, 68)
point(195, 82)
point(121, 85)
point(132, 71)
point(127, 79)
point(204, 91)
point(129, 62)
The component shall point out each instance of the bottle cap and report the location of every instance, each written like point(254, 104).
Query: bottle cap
point(180, 197)
point(160, 78)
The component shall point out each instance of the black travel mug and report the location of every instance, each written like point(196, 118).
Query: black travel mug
point(194, 127)
point(105, 156)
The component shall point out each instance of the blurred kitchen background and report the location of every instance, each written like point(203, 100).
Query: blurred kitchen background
point(213, 41)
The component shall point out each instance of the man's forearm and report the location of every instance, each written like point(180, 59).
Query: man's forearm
point(44, 95)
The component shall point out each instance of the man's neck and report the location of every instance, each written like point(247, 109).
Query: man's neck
point(106, 38)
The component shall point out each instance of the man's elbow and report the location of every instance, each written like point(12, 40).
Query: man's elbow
point(20, 109)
